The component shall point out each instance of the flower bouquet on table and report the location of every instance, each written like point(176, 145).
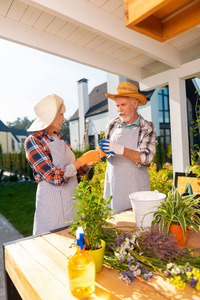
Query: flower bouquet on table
point(146, 252)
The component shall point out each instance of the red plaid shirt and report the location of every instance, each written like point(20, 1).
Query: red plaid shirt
point(40, 159)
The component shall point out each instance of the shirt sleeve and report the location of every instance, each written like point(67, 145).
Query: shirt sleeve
point(147, 144)
point(83, 171)
point(40, 160)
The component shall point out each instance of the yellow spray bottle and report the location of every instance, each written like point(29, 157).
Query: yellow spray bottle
point(81, 269)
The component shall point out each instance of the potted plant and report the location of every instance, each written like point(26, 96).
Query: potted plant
point(177, 214)
point(92, 214)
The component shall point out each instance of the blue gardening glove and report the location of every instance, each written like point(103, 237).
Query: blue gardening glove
point(110, 147)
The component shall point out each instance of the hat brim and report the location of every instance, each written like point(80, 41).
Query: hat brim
point(142, 98)
point(38, 125)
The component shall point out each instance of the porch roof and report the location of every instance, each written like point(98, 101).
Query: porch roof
point(93, 32)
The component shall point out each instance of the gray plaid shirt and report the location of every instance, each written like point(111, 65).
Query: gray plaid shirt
point(146, 139)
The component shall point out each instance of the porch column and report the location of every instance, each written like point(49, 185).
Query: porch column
point(179, 124)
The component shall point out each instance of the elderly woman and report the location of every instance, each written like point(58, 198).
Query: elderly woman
point(54, 166)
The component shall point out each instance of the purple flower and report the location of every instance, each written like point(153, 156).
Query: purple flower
point(167, 273)
point(193, 282)
point(147, 276)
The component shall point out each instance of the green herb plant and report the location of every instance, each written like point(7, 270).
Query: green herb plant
point(102, 134)
point(92, 213)
point(178, 210)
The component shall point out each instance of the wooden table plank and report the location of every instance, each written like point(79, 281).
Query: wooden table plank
point(32, 279)
point(38, 268)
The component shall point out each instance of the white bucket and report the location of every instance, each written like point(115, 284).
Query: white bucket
point(143, 203)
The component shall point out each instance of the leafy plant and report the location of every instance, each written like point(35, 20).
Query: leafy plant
point(179, 210)
point(98, 178)
point(102, 134)
point(92, 213)
point(161, 180)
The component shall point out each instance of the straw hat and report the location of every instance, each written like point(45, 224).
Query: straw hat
point(127, 89)
point(46, 110)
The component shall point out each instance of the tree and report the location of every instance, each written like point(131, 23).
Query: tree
point(26, 123)
point(65, 130)
point(20, 123)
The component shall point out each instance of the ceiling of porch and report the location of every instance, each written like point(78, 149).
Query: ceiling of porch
point(93, 32)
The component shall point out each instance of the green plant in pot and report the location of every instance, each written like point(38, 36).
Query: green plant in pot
point(178, 213)
point(92, 214)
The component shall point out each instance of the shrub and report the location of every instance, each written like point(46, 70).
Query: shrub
point(161, 180)
point(97, 180)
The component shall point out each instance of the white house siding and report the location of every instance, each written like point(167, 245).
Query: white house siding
point(74, 134)
point(97, 124)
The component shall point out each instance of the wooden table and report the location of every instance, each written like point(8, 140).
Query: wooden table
point(36, 268)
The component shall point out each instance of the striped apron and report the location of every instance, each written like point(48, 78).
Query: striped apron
point(123, 177)
point(54, 204)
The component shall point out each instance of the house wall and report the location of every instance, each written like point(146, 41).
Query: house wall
point(74, 135)
point(5, 141)
point(97, 124)
point(150, 111)
point(83, 100)
point(18, 145)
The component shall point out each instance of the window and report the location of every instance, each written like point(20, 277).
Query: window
point(164, 118)
point(13, 145)
point(91, 142)
point(163, 103)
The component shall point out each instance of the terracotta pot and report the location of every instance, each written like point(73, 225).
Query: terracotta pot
point(98, 256)
point(177, 233)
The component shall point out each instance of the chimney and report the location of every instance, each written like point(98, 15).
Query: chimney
point(83, 100)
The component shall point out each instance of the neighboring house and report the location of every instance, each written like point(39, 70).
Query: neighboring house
point(11, 138)
point(95, 111)
point(18, 138)
point(5, 138)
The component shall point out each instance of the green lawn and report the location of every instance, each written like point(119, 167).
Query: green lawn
point(17, 204)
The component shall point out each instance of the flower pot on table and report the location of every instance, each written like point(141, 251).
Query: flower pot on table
point(177, 233)
point(98, 256)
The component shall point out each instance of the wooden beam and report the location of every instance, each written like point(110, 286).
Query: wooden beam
point(143, 16)
point(182, 21)
point(138, 10)
point(151, 27)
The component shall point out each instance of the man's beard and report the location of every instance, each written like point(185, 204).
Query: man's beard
point(125, 118)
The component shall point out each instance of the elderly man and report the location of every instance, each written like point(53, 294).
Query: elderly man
point(130, 144)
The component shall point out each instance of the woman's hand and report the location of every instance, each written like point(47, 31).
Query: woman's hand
point(89, 157)
point(102, 154)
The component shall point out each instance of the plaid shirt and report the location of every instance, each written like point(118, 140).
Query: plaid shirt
point(146, 139)
point(40, 159)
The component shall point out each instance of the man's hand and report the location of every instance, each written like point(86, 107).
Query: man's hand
point(89, 157)
point(110, 147)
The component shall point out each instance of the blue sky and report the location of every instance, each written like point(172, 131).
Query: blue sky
point(27, 74)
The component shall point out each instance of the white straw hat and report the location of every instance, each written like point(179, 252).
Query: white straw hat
point(46, 110)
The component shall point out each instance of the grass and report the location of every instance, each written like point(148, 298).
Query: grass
point(17, 204)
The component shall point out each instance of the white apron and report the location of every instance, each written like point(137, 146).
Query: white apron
point(123, 177)
point(54, 204)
